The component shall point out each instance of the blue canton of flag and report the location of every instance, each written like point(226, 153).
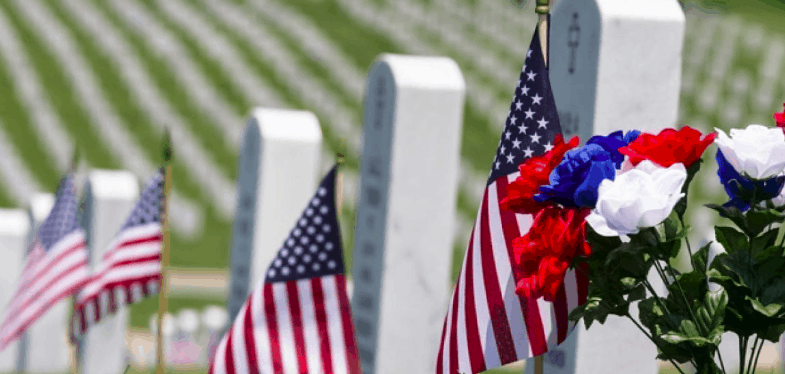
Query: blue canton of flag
point(532, 122)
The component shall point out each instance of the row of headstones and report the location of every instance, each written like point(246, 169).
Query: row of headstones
point(612, 66)
point(45, 348)
point(190, 339)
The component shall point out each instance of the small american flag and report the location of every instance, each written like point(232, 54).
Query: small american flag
point(299, 319)
point(131, 270)
point(488, 325)
point(56, 265)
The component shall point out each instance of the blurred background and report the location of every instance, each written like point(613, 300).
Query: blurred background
point(106, 76)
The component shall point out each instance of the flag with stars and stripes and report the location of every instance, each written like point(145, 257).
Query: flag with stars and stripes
point(56, 265)
point(487, 324)
point(130, 270)
point(298, 320)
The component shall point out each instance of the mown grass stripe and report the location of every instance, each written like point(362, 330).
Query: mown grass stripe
point(203, 130)
point(57, 85)
point(19, 131)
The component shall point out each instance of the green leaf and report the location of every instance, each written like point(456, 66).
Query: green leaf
point(758, 220)
point(601, 243)
point(712, 311)
point(732, 213)
point(774, 292)
point(629, 282)
point(731, 239)
point(649, 312)
point(774, 333)
point(759, 243)
point(701, 258)
point(769, 310)
point(637, 293)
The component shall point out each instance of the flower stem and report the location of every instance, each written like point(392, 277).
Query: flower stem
point(719, 355)
point(653, 341)
point(689, 247)
point(742, 353)
point(757, 356)
point(752, 354)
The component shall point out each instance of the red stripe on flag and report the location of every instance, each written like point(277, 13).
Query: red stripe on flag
point(297, 325)
point(320, 314)
point(473, 342)
point(272, 328)
point(250, 343)
point(352, 357)
point(529, 309)
point(494, 296)
point(440, 355)
point(229, 354)
point(453, 369)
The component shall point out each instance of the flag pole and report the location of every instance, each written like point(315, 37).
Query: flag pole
point(163, 302)
point(339, 183)
point(543, 10)
point(74, 342)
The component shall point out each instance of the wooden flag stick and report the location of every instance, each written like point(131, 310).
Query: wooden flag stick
point(74, 342)
point(339, 185)
point(543, 9)
point(163, 301)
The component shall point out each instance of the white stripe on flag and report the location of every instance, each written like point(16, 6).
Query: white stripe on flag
point(506, 279)
point(310, 327)
point(334, 324)
point(261, 333)
point(220, 356)
point(239, 354)
point(463, 343)
point(485, 328)
point(134, 233)
point(288, 358)
point(119, 274)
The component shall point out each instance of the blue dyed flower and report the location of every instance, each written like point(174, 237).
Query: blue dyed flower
point(743, 191)
point(611, 144)
point(575, 181)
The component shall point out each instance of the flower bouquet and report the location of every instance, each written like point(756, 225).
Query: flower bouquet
point(613, 209)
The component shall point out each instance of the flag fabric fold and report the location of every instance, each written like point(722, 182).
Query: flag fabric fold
point(487, 324)
point(130, 270)
point(298, 320)
point(56, 265)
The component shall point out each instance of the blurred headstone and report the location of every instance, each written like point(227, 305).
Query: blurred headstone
point(109, 197)
point(614, 65)
point(277, 174)
point(46, 341)
point(214, 321)
point(14, 236)
point(412, 127)
point(186, 347)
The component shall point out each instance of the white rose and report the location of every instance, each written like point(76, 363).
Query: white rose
point(641, 197)
point(757, 152)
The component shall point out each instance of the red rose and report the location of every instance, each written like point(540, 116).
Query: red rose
point(780, 118)
point(668, 147)
point(543, 255)
point(535, 173)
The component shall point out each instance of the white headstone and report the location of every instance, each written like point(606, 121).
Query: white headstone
point(46, 341)
point(214, 320)
point(14, 236)
point(109, 197)
point(406, 205)
point(278, 171)
point(186, 344)
point(170, 331)
point(614, 65)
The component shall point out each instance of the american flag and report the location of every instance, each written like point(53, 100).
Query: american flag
point(131, 269)
point(488, 325)
point(299, 319)
point(56, 265)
